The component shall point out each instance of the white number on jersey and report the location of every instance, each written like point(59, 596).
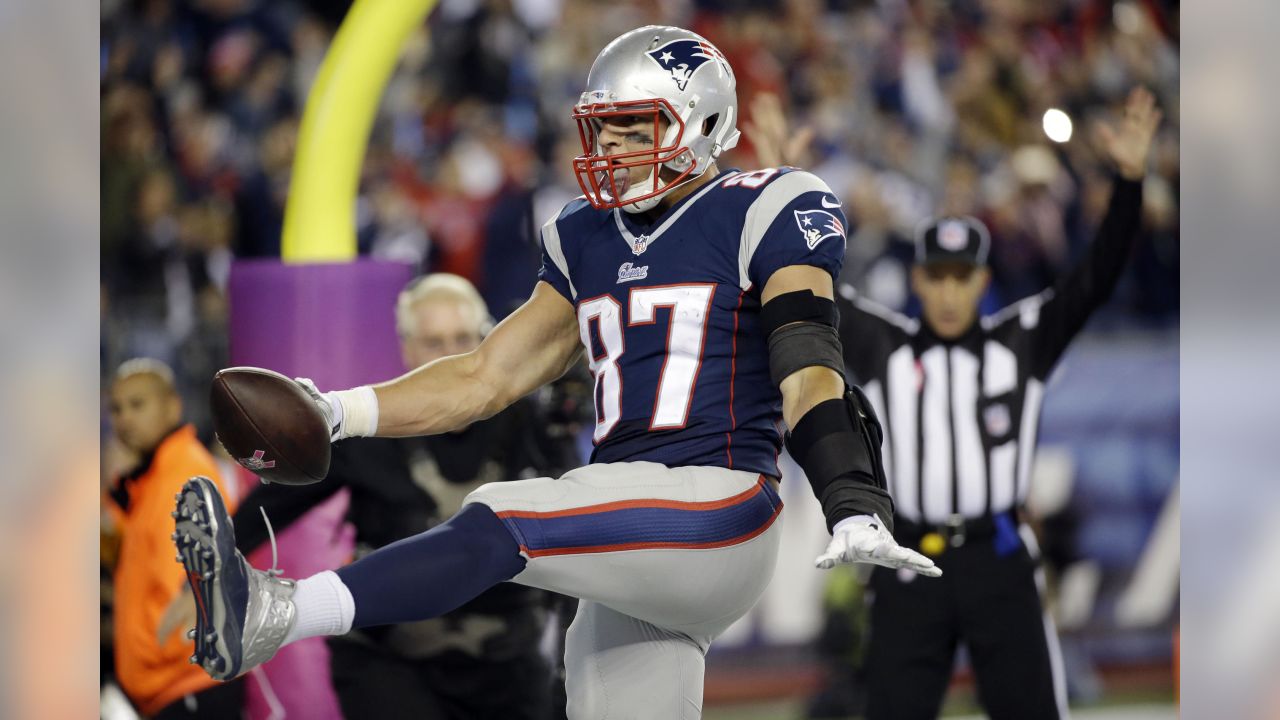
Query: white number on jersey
point(690, 306)
point(606, 315)
point(751, 180)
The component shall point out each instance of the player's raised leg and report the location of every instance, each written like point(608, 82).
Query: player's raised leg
point(245, 615)
point(687, 549)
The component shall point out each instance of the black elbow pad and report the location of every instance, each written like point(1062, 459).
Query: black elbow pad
point(801, 345)
point(801, 330)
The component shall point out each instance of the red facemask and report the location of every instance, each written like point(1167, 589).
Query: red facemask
point(598, 174)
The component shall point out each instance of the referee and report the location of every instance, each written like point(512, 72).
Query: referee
point(959, 397)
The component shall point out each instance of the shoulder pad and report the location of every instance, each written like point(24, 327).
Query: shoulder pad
point(573, 207)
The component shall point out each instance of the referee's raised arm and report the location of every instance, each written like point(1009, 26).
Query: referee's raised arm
point(1064, 309)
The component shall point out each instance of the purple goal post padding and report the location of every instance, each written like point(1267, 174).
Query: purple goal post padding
point(333, 323)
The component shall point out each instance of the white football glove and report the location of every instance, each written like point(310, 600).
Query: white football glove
point(863, 538)
point(329, 406)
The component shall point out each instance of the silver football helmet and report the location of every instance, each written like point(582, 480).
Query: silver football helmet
point(665, 72)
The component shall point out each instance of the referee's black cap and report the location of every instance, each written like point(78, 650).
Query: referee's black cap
point(953, 238)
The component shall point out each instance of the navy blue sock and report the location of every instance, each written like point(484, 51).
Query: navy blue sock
point(428, 575)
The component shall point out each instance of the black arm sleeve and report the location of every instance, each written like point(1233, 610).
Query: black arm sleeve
point(838, 444)
point(837, 441)
point(1067, 306)
point(284, 504)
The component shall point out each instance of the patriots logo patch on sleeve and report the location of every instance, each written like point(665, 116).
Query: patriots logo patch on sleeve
point(682, 58)
point(818, 225)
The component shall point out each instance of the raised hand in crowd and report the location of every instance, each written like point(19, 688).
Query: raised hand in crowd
point(774, 143)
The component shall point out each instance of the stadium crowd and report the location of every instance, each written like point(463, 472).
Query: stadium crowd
point(915, 106)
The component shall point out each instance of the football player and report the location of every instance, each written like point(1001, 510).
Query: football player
point(703, 301)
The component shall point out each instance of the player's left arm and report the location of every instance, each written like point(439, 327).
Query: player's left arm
point(834, 434)
point(808, 386)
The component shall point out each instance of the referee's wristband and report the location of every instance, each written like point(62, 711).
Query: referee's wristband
point(359, 410)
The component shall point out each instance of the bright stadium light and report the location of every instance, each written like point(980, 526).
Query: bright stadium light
point(1057, 125)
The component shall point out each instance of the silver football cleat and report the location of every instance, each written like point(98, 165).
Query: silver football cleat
point(243, 614)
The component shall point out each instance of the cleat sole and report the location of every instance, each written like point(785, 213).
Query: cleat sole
point(202, 545)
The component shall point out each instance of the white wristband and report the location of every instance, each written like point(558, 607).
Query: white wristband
point(359, 412)
point(857, 520)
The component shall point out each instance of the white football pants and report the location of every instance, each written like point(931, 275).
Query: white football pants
point(662, 559)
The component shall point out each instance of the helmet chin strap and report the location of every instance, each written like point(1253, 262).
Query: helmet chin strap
point(648, 204)
point(642, 188)
point(679, 165)
point(645, 205)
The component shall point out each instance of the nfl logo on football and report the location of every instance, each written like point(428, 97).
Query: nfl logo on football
point(256, 462)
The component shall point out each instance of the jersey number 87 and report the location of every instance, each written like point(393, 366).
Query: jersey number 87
point(689, 305)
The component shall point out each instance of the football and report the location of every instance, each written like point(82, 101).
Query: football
point(270, 425)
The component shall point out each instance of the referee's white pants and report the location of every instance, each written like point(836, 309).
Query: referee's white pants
point(662, 559)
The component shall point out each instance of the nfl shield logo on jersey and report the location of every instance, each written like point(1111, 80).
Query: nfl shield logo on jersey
point(682, 58)
point(996, 417)
point(818, 225)
point(953, 235)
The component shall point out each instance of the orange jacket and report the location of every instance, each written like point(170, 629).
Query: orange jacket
point(147, 578)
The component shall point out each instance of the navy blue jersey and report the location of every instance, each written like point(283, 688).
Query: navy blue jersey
point(669, 313)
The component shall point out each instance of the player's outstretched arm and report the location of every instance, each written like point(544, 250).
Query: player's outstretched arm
point(534, 345)
point(834, 433)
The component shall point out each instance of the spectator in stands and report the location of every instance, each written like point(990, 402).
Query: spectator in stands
point(153, 669)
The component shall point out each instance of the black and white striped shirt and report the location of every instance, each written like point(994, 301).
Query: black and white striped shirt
point(961, 417)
